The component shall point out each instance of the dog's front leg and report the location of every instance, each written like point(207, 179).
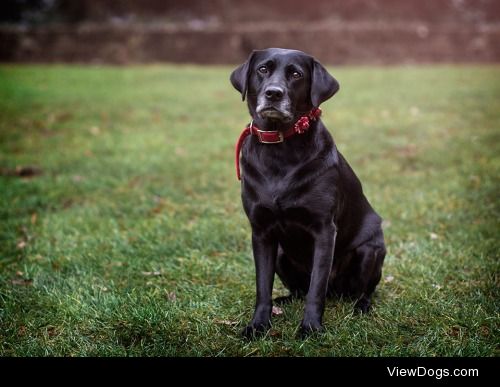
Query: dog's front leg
point(265, 249)
point(324, 246)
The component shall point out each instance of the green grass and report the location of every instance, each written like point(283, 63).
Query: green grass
point(133, 240)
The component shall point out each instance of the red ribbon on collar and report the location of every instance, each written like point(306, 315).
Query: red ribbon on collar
point(274, 136)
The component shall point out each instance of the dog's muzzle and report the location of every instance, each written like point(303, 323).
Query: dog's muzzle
point(274, 113)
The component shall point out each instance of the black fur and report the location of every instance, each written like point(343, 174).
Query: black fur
point(311, 223)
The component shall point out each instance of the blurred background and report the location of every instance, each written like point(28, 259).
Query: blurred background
point(225, 31)
point(122, 231)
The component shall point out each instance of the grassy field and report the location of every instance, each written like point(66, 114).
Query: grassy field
point(129, 237)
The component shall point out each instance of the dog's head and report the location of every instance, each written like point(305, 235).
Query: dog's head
point(281, 85)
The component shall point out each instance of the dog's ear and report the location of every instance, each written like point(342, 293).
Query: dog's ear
point(240, 76)
point(323, 85)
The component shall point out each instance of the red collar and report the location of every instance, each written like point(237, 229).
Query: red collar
point(274, 136)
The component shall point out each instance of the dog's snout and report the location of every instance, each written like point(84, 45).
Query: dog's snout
point(274, 93)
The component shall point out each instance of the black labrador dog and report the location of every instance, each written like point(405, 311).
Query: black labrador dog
point(311, 223)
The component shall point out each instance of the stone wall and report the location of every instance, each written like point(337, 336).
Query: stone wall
point(221, 31)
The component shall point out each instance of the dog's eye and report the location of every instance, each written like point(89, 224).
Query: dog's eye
point(296, 75)
point(263, 70)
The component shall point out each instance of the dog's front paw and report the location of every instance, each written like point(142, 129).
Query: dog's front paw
point(308, 328)
point(255, 330)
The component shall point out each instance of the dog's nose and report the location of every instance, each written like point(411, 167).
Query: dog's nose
point(274, 93)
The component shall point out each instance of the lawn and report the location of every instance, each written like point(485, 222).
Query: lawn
point(122, 232)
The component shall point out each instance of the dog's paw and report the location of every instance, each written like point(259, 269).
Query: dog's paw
point(284, 299)
point(253, 330)
point(309, 328)
point(362, 306)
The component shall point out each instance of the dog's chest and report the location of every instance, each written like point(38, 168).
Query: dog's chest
point(286, 199)
point(273, 204)
point(289, 183)
point(274, 183)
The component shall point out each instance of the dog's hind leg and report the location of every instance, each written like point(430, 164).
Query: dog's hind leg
point(369, 260)
point(292, 277)
point(283, 300)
